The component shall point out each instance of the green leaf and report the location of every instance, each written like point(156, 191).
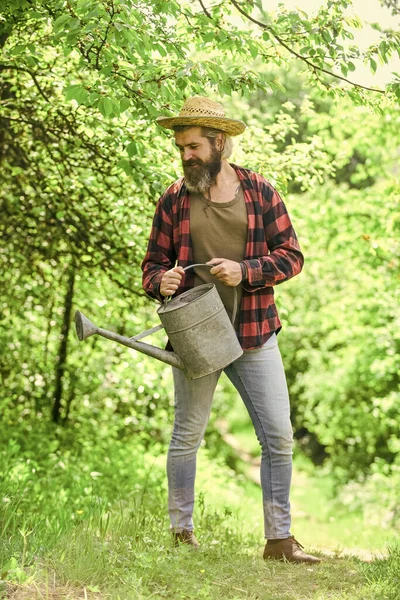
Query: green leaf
point(221, 35)
point(106, 70)
point(115, 109)
point(275, 83)
point(253, 50)
point(383, 46)
point(76, 92)
point(383, 49)
point(74, 23)
point(327, 36)
point(131, 149)
point(161, 48)
point(34, 14)
point(209, 36)
point(119, 26)
point(181, 82)
point(60, 21)
point(105, 106)
point(124, 104)
point(125, 165)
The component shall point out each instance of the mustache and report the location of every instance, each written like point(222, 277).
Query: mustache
point(192, 162)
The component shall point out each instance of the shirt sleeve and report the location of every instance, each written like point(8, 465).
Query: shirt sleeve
point(285, 259)
point(160, 255)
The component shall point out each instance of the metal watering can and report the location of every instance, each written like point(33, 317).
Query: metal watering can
point(197, 325)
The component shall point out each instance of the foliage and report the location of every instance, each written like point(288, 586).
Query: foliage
point(82, 165)
point(80, 516)
point(81, 171)
point(347, 351)
point(339, 341)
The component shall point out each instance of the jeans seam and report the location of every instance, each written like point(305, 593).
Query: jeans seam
point(266, 443)
point(174, 491)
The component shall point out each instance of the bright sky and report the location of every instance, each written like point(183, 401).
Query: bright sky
point(369, 11)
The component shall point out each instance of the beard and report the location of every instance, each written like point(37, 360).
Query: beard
point(201, 175)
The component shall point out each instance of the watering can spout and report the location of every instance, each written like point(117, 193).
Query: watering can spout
point(197, 325)
point(85, 328)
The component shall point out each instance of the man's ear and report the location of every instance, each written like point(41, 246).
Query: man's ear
point(220, 140)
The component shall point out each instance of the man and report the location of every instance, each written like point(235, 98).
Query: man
point(234, 220)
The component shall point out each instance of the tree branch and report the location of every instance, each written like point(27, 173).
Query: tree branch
point(205, 10)
point(4, 67)
point(393, 5)
point(103, 41)
point(313, 66)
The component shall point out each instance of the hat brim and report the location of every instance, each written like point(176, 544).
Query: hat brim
point(229, 126)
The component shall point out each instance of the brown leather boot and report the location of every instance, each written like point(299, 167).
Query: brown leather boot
point(185, 537)
point(289, 549)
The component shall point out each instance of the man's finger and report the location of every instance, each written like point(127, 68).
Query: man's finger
point(174, 276)
point(215, 261)
point(179, 270)
point(215, 270)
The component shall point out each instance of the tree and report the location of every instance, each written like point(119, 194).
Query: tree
point(82, 82)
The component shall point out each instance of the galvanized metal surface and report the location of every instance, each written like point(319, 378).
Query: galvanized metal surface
point(197, 325)
point(200, 331)
point(85, 328)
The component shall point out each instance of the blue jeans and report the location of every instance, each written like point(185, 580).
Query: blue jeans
point(259, 377)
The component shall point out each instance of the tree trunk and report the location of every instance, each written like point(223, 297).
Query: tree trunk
point(62, 354)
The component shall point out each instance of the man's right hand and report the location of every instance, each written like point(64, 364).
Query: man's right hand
point(171, 281)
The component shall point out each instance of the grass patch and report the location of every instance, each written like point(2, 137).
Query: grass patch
point(124, 565)
point(96, 527)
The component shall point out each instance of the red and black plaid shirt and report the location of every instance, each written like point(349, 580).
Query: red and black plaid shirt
point(272, 253)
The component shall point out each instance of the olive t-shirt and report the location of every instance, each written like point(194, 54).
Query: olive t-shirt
point(218, 230)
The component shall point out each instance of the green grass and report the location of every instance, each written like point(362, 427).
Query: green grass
point(326, 520)
point(97, 528)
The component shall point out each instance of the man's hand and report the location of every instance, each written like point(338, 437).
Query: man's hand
point(227, 271)
point(171, 280)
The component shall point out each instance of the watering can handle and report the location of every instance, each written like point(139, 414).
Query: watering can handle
point(144, 334)
point(234, 289)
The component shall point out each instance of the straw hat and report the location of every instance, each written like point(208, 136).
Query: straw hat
point(203, 112)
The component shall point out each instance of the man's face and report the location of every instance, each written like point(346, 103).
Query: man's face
point(201, 158)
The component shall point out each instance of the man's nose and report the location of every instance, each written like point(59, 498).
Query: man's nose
point(187, 154)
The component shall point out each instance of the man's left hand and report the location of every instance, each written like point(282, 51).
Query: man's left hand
point(226, 271)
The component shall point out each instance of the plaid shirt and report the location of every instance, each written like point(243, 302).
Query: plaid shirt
point(272, 253)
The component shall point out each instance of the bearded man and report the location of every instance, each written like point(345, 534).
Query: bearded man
point(235, 221)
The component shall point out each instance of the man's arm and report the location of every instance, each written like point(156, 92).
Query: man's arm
point(285, 259)
point(160, 256)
